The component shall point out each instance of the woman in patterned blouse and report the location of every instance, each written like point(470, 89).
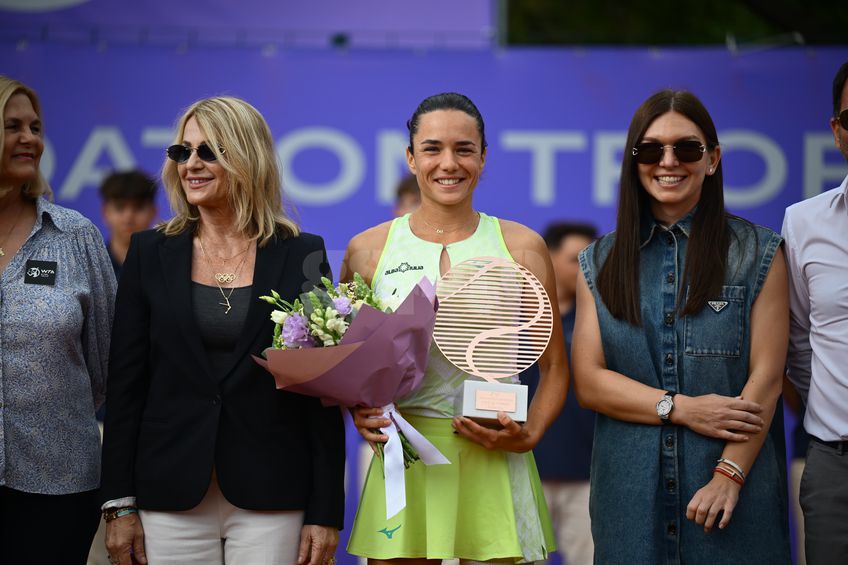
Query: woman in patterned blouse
point(57, 293)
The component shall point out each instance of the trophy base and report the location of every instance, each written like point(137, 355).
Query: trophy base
point(482, 400)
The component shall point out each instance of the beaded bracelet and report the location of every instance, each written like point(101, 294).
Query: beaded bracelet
point(115, 513)
point(732, 475)
point(735, 466)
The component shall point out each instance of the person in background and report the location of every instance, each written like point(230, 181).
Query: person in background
point(204, 460)
point(817, 255)
point(564, 453)
point(407, 196)
point(128, 206)
point(57, 294)
point(680, 346)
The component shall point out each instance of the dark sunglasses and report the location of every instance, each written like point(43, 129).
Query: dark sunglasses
point(842, 118)
point(181, 153)
point(687, 151)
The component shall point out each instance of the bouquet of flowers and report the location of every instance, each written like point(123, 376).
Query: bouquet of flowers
point(338, 344)
point(322, 317)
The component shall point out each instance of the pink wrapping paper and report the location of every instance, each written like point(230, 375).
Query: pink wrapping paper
point(381, 357)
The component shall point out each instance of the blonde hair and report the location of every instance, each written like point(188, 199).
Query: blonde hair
point(8, 88)
point(240, 138)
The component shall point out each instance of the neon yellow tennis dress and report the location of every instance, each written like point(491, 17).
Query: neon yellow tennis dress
point(487, 504)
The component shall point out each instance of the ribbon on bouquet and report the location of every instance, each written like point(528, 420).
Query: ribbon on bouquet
point(393, 469)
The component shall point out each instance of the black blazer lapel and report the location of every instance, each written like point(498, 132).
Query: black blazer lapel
point(175, 254)
point(270, 265)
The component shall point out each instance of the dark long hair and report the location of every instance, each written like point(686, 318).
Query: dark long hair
point(446, 101)
point(838, 87)
point(706, 255)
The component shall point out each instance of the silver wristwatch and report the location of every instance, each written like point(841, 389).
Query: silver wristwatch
point(665, 406)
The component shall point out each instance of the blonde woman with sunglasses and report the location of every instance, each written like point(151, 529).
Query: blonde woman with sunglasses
point(204, 461)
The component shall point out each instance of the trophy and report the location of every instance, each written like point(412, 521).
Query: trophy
point(494, 321)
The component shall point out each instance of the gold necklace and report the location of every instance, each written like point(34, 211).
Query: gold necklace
point(215, 276)
point(223, 277)
point(225, 259)
point(441, 231)
point(9, 233)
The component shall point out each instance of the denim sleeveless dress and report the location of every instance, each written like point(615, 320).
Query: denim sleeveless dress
point(643, 476)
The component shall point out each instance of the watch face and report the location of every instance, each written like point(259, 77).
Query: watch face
point(664, 406)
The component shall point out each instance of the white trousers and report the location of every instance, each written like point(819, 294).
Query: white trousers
point(568, 503)
point(216, 532)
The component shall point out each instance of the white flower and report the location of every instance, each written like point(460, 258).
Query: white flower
point(278, 316)
point(337, 325)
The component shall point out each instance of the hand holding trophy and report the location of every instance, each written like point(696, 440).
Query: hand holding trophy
point(494, 321)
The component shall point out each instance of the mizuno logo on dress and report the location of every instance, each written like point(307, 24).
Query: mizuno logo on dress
point(717, 305)
point(404, 267)
point(389, 533)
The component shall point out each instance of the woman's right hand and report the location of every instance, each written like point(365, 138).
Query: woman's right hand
point(368, 421)
point(717, 416)
point(125, 540)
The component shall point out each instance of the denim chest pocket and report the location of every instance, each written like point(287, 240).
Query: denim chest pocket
point(716, 331)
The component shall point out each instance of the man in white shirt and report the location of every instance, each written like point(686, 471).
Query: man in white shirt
point(816, 232)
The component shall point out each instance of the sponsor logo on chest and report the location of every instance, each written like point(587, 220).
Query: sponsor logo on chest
point(404, 267)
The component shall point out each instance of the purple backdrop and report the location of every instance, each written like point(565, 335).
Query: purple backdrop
point(556, 120)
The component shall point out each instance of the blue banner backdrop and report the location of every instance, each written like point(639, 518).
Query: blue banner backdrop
point(556, 121)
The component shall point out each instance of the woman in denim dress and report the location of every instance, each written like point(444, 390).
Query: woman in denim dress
point(679, 345)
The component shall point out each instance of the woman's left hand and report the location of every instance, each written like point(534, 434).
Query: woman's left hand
point(718, 495)
point(512, 437)
point(317, 545)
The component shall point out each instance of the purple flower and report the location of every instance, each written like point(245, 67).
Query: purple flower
point(342, 305)
point(295, 332)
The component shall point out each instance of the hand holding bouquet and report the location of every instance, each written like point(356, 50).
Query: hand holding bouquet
point(336, 343)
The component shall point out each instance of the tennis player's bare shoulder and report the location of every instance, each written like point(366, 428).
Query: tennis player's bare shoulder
point(363, 252)
point(526, 247)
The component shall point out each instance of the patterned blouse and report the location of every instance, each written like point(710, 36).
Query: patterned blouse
point(56, 305)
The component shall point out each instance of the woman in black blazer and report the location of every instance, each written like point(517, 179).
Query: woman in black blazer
point(203, 459)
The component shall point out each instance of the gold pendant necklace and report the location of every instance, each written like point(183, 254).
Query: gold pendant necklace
point(226, 303)
point(224, 278)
